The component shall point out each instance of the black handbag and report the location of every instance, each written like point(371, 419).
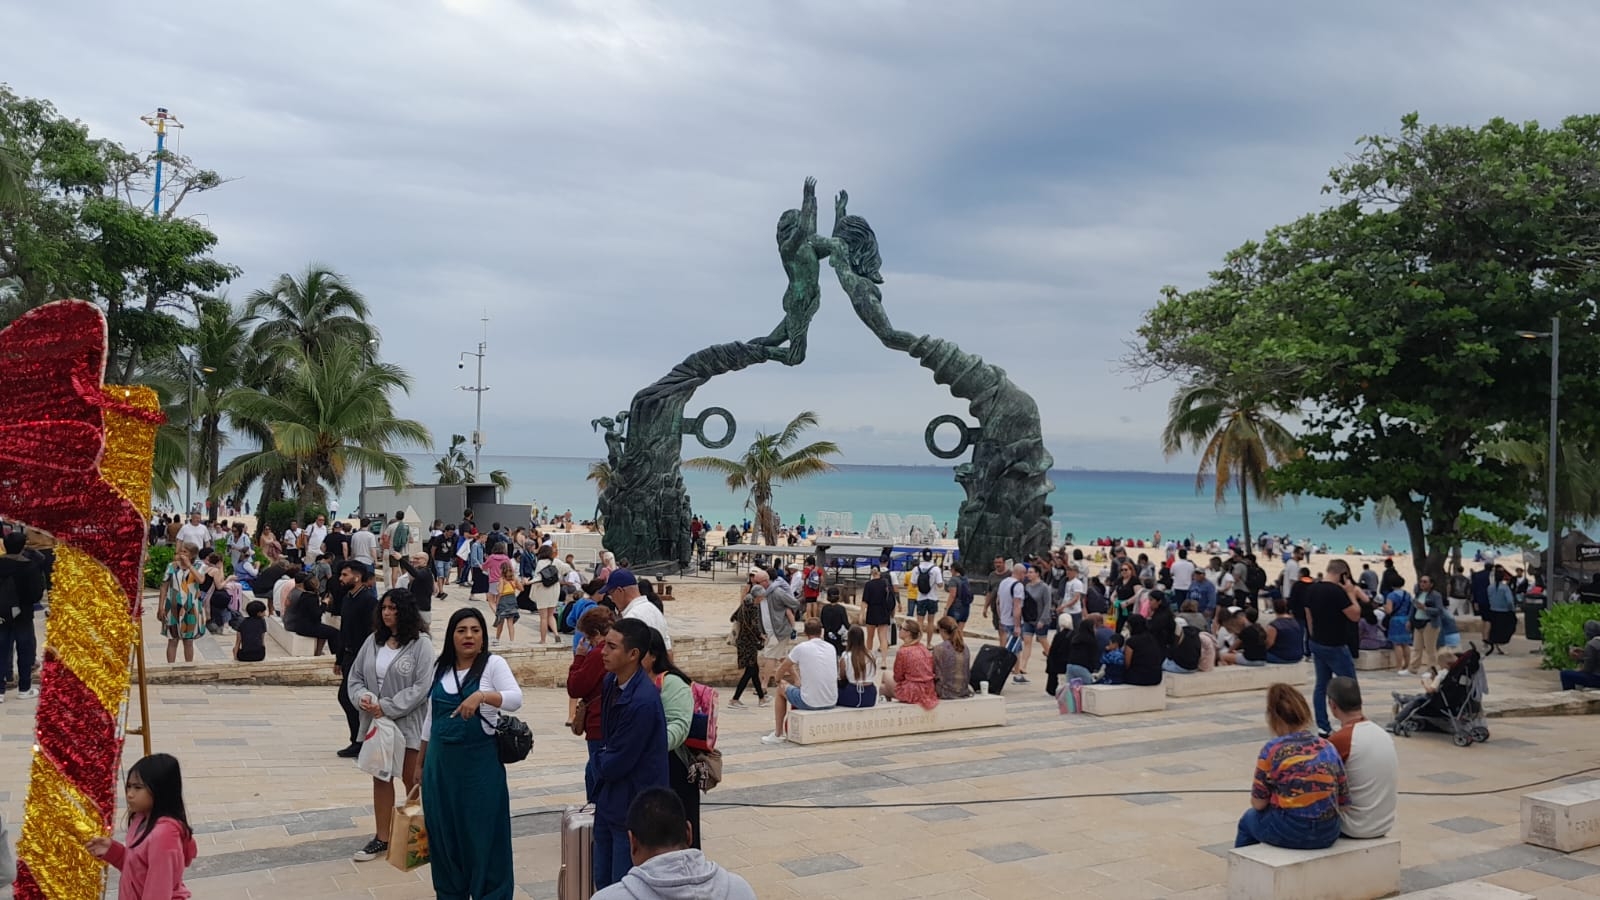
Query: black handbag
point(513, 738)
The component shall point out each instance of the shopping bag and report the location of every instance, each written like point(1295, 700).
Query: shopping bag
point(408, 836)
point(1069, 699)
point(383, 750)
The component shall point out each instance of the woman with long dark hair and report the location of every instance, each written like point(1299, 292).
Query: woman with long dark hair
point(585, 677)
point(677, 701)
point(952, 662)
point(468, 805)
point(858, 671)
point(748, 639)
point(390, 680)
point(160, 842)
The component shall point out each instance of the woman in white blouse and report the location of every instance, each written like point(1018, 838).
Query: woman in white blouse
point(390, 680)
point(466, 803)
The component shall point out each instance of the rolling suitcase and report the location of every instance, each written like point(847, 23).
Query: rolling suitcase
point(576, 880)
point(993, 664)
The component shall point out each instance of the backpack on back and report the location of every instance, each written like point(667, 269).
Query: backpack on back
point(925, 579)
point(548, 576)
point(703, 721)
point(814, 580)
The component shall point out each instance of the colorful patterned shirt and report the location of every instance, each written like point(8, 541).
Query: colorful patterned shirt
point(1301, 775)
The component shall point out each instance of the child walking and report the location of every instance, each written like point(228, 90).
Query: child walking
point(506, 611)
point(160, 843)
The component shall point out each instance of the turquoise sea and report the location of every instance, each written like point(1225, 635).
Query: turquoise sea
point(1087, 504)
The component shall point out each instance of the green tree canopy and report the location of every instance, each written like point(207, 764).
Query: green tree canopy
point(1389, 321)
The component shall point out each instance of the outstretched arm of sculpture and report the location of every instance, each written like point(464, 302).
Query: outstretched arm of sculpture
point(865, 297)
point(808, 207)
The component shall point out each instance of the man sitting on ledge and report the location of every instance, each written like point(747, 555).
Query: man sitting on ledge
point(813, 664)
point(1370, 765)
point(1589, 675)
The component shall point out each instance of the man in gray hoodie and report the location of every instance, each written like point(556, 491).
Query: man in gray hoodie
point(1587, 676)
point(664, 865)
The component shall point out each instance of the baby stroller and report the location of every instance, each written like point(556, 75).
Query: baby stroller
point(1456, 707)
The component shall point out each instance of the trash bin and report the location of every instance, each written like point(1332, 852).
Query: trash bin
point(1531, 611)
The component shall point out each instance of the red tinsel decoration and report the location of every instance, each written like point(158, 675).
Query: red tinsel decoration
point(81, 738)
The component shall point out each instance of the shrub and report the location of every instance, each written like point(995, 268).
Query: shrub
point(155, 564)
point(280, 512)
point(1563, 630)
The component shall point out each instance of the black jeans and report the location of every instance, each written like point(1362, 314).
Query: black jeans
point(678, 774)
point(351, 714)
point(752, 675)
point(18, 642)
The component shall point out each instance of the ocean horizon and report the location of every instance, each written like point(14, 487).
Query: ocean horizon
point(1088, 503)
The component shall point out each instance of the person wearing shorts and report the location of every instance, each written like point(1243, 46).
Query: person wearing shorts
point(959, 603)
point(815, 666)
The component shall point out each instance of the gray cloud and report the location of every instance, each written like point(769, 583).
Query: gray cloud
point(603, 178)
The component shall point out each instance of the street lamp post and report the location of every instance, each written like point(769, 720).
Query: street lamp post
point(1554, 334)
point(477, 426)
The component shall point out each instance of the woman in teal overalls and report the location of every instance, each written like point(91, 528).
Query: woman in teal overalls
point(465, 801)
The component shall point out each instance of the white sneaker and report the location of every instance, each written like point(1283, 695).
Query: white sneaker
point(29, 694)
point(1403, 672)
point(774, 738)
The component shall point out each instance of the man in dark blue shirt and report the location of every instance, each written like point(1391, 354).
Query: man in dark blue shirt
point(633, 752)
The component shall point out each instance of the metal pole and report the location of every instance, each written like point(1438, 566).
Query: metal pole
point(161, 144)
point(188, 443)
point(477, 427)
point(1550, 495)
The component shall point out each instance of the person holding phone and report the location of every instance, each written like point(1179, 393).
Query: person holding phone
point(1333, 607)
point(181, 618)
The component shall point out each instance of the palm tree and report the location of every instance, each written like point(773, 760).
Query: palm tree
point(455, 468)
point(315, 312)
point(600, 474)
point(769, 460)
point(1577, 475)
point(223, 359)
point(330, 411)
point(1238, 440)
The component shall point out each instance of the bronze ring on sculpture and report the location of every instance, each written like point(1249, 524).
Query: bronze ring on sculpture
point(968, 434)
point(697, 427)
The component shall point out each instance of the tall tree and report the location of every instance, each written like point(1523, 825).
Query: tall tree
point(315, 311)
point(770, 459)
point(1239, 442)
point(455, 467)
point(1389, 319)
point(330, 412)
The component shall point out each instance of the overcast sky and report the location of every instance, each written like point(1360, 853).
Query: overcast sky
point(602, 179)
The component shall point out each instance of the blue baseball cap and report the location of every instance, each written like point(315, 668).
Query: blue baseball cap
point(620, 578)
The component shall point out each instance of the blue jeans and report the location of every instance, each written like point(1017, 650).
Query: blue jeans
point(588, 770)
point(1168, 665)
point(1571, 679)
point(1329, 661)
point(1279, 829)
point(20, 640)
point(612, 856)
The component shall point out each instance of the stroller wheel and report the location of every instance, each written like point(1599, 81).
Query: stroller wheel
point(1480, 733)
point(1462, 740)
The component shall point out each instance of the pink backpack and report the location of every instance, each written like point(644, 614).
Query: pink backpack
point(703, 723)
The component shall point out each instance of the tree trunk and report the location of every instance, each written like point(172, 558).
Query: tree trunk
point(1244, 509)
point(1419, 540)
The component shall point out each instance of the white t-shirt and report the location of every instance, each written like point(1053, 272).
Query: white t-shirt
point(819, 672)
point(797, 582)
point(646, 612)
point(1006, 595)
point(197, 535)
point(496, 677)
point(935, 575)
point(315, 534)
point(364, 546)
point(386, 655)
point(1373, 771)
point(1182, 574)
point(1072, 596)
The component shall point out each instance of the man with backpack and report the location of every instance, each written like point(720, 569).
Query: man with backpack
point(396, 541)
point(811, 587)
point(21, 586)
point(929, 579)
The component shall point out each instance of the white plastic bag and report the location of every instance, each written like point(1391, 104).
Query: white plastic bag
point(383, 750)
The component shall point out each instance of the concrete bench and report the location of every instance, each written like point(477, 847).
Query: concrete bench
point(1467, 890)
point(1374, 660)
point(888, 718)
point(1565, 818)
point(1349, 870)
point(1121, 699)
point(292, 644)
point(1226, 680)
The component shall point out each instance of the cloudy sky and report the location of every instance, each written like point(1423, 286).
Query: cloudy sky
point(601, 179)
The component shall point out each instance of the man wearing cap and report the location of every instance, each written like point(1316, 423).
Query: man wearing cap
point(623, 589)
point(355, 626)
point(778, 608)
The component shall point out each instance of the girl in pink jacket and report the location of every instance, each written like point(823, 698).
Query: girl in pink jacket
point(160, 844)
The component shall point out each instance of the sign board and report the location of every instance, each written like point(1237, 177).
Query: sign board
point(1588, 553)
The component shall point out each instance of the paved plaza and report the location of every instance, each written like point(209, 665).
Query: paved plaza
point(974, 814)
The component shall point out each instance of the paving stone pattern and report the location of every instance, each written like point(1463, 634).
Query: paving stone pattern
point(1094, 808)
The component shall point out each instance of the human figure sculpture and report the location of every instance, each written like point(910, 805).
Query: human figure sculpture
point(797, 229)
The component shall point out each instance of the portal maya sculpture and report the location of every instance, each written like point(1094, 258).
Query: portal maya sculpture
point(1006, 513)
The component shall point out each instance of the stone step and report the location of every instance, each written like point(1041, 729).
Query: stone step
point(1229, 679)
point(1565, 818)
point(1467, 890)
point(1348, 870)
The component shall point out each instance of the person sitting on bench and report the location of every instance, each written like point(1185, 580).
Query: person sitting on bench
point(1299, 785)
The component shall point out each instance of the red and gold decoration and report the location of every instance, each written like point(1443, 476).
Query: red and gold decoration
point(75, 461)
